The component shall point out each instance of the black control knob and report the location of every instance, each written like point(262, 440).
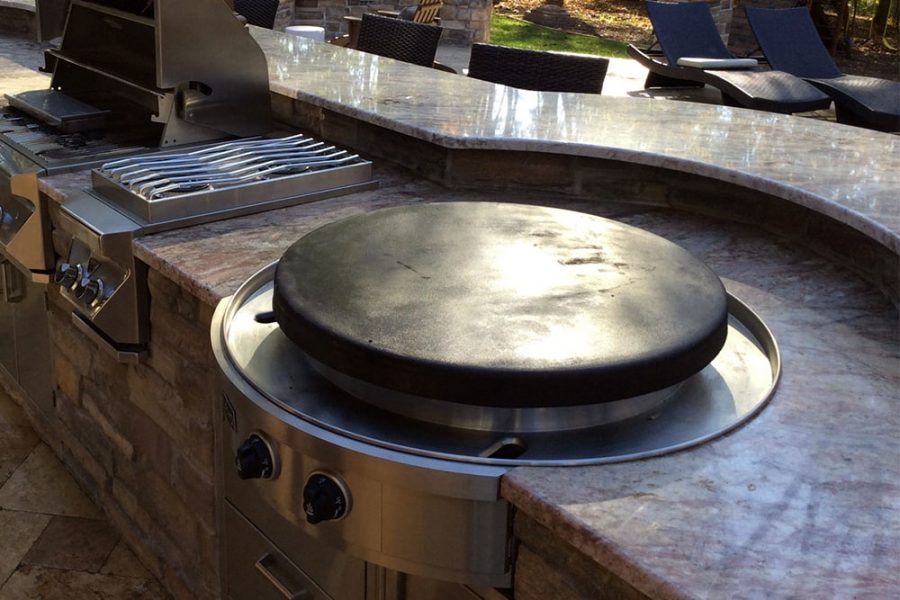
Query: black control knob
point(253, 459)
point(325, 498)
point(68, 275)
point(92, 292)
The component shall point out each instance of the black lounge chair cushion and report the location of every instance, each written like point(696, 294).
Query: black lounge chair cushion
point(791, 43)
point(535, 70)
point(408, 41)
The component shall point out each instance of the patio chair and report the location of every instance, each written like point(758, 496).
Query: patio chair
point(693, 55)
point(410, 42)
point(534, 70)
point(257, 12)
point(426, 11)
point(791, 43)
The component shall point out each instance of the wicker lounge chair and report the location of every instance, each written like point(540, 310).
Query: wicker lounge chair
point(257, 12)
point(533, 70)
point(687, 35)
point(791, 43)
point(408, 41)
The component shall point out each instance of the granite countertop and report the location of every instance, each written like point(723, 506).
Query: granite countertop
point(804, 501)
point(847, 173)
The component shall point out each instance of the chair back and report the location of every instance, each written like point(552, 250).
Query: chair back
point(686, 29)
point(427, 11)
point(534, 70)
point(741, 41)
point(789, 39)
point(257, 12)
point(408, 41)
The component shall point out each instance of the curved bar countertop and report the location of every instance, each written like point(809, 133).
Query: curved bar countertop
point(847, 173)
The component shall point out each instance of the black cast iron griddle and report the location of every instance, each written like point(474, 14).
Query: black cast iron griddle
point(500, 304)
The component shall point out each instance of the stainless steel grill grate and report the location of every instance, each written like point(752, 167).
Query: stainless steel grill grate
point(224, 165)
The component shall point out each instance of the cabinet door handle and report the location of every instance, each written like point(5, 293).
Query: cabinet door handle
point(262, 565)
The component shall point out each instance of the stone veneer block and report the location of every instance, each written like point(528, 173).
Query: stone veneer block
point(547, 567)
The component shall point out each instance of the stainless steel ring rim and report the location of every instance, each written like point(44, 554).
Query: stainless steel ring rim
point(494, 418)
point(693, 423)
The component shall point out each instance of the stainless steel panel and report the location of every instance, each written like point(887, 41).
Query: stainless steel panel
point(393, 585)
point(218, 70)
point(59, 110)
point(8, 336)
point(23, 231)
point(33, 346)
point(256, 570)
point(423, 518)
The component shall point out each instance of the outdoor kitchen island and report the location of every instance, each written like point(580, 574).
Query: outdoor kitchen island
point(800, 502)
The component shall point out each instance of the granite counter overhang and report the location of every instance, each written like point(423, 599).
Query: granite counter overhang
point(847, 173)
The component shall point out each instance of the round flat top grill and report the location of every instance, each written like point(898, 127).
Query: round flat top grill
point(500, 305)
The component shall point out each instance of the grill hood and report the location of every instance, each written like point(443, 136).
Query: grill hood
point(188, 69)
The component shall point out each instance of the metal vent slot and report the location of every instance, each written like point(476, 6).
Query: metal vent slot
point(224, 165)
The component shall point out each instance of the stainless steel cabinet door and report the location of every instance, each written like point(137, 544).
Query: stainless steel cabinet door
point(33, 346)
point(7, 318)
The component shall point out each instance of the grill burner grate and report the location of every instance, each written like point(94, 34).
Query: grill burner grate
point(224, 166)
point(55, 150)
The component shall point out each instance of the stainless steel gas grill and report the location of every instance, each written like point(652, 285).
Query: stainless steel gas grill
point(391, 367)
point(130, 76)
point(145, 194)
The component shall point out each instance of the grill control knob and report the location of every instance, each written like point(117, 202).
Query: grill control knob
point(92, 292)
point(253, 459)
point(325, 498)
point(68, 275)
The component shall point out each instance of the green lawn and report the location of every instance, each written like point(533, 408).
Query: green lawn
point(521, 34)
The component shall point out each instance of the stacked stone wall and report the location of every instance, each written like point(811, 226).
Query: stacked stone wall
point(139, 438)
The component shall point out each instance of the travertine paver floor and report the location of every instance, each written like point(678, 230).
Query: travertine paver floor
point(55, 544)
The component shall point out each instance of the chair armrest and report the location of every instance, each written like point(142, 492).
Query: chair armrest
point(389, 13)
point(342, 41)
